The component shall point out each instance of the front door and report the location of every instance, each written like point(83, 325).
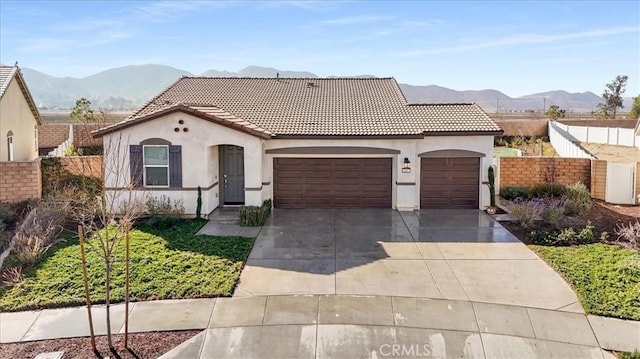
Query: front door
point(233, 174)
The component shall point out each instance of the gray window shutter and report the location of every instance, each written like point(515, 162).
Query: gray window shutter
point(136, 165)
point(175, 166)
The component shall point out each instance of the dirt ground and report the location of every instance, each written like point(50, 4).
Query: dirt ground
point(141, 346)
point(603, 216)
point(613, 153)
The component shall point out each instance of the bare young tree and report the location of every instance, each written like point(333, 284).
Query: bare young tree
point(105, 216)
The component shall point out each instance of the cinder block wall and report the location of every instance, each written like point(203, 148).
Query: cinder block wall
point(529, 171)
point(20, 181)
point(84, 165)
point(598, 179)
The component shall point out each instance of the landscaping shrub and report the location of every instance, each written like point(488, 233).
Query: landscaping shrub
point(11, 276)
point(526, 212)
point(553, 212)
point(8, 214)
point(251, 216)
point(37, 232)
point(565, 237)
point(577, 199)
point(548, 190)
point(514, 193)
point(164, 206)
point(629, 233)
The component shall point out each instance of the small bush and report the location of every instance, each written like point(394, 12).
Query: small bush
point(548, 190)
point(164, 206)
point(514, 193)
point(526, 212)
point(577, 199)
point(553, 213)
point(11, 276)
point(251, 216)
point(37, 232)
point(8, 215)
point(28, 248)
point(629, 233)
point(565, 237)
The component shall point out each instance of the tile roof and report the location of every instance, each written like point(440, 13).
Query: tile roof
point(8, 73)
point(313, 107)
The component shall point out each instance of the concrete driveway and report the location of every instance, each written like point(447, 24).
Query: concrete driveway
point(440, 254)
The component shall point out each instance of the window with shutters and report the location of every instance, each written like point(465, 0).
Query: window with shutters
point(155, 163)
point(156, 166)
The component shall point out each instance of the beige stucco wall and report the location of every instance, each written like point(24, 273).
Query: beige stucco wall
point(200, 164)
point(404, 197)
point(15, 116)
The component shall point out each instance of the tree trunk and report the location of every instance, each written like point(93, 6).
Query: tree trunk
point(107, 299)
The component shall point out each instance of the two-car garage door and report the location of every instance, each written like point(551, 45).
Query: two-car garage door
point(332, 182)
point(451, 182)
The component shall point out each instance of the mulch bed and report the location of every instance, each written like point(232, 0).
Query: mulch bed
point(141, 345)
point(603, 216)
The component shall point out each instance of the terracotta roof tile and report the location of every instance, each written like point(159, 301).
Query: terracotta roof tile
point(315, 107)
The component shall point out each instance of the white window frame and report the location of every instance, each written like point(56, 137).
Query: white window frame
point(145, 165)
point(35, 134)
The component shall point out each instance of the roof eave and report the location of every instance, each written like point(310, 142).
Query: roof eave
point(352, 137)
point(179, 108)
point(464, 133)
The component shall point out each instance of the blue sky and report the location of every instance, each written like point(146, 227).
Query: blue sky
point(513, 46)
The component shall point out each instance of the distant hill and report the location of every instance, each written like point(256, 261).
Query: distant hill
point(128, 87)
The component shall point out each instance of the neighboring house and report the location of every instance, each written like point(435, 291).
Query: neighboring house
point(305, 143)
point(55, 138)
point(19, 117)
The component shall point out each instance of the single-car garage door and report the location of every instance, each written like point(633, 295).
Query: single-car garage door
point(332, 182)
point(449, 182)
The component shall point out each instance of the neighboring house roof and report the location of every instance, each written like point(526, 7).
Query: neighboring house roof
point(51, 135)
point(8, 73)
point(283, 107)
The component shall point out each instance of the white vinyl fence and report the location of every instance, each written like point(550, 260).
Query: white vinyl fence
point(606, 135)
point(61, 150)
point(565, 143)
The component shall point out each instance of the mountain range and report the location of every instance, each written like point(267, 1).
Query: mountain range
point(128, 87)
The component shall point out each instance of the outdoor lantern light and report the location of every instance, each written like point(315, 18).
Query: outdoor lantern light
point(406, 166)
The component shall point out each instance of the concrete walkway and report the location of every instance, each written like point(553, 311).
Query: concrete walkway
point(308, 326)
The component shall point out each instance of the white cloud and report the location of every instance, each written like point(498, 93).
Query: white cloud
point(523, 39)
point(355, 20)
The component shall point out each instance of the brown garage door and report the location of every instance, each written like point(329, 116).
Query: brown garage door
point(449, 182)
point(332, 182)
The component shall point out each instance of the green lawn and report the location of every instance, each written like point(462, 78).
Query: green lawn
point(504, 152)
point(165, 263)
point(605, 277)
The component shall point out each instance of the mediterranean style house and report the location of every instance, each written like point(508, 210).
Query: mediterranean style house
point(302, 142)
point(19, 117)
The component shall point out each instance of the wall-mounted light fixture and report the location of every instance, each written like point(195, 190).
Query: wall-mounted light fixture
point(406, 166)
